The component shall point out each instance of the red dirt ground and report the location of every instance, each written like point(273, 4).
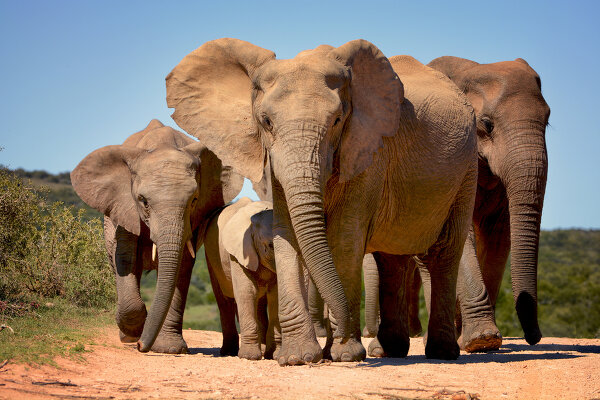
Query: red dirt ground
point(556, 368)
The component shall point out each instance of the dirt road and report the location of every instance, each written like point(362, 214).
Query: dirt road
point(555, 368)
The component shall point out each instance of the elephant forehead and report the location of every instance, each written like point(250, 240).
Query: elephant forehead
point(299, 71)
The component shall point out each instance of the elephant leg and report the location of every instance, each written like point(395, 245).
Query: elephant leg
point(478, 330)
point(299, 343)
point(348, 263)
point(371, 281)
point(492, 238)
point(246, 297)
point(393, 336)
point(413, 287)
point(316, 307)
point(227, 311)
point(262, 313)
point(170, 338)
point(131, 310)
point(274, 330)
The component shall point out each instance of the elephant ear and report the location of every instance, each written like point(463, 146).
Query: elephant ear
point(211, 92)
point(452, 67)
point(236, 235)
point(103, 181)
point(133, 140)
point(377, 94)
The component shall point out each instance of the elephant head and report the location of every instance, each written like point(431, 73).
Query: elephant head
point(162, 180)
point(248, 236)
point(320, 117)
point(511, 122)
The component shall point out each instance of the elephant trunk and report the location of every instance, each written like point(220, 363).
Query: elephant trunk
point(303, 188)
point(525, 184)
point(371, 277)
point(170, 251)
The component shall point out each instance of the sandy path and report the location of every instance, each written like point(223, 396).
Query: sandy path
point(556, 368)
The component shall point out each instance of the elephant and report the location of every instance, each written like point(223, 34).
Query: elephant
point(241, 263)
point(361, 162)
point(512, 116)
point(156, 191)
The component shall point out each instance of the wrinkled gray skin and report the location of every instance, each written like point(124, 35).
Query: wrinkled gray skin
point(361, 161)
point(241, 262)
point(158, 187)
point(511, 119)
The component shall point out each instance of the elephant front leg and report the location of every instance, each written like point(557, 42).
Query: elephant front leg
point(246, 297)
point(393, 335)
point(170, 339)
point(299, 343)
point(349, 266)
point(274, 330)
point(478, 331)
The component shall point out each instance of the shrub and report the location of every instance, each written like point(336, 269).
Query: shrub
point(49, 250)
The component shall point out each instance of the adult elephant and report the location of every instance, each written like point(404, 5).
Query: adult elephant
point(360, 162)
point(512, 116)
point(156, 191)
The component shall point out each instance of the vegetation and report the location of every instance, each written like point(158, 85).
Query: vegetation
point(55, 278)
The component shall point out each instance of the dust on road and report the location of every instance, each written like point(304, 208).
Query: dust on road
point(555, 368)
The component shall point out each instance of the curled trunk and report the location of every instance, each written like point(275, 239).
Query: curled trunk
point(170, 249)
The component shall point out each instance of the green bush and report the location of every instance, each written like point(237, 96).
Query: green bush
point(49, 251)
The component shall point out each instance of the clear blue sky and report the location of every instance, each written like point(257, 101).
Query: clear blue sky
point(78, 75)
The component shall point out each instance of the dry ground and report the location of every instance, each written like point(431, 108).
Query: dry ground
point(555, 368)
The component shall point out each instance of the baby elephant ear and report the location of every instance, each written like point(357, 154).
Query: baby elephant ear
point(376, 93)
point(237, 240)
point(452, 67)
point(211, 92)
point(103, 181)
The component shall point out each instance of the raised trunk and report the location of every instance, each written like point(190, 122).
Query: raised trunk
point(170, 249)
point(371, 278)
point(301, 182)
point(525, 187)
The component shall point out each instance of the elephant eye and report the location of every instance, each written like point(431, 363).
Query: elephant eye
point(488, 125)
point(337, 121)
point(143, 200)
point(267, 123)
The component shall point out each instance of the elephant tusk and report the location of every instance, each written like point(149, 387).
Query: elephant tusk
point(153, 252)
point(191, 248)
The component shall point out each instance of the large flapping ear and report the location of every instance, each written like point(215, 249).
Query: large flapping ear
point(211, 92)
point(376, 93)
point(103, 181)
point(218, 184)
point(236, 235)
point(452, 67)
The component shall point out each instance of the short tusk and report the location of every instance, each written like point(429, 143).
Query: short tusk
point(153, 252)
point(191, 248)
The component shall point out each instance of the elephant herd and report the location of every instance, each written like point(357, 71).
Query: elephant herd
point(415, 174)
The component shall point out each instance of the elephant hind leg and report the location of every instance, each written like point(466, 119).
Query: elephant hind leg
point(227, 313)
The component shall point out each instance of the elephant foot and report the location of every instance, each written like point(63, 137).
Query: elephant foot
point(375, 349)
point(533, 336)
point(170, 344)
point(440, 348)
point(480, 338)
point(229, 348)
point(250, 352)
point(125, 338)
point(366, 333)
point(294, 352)
point(348, 351)
point(272, 352)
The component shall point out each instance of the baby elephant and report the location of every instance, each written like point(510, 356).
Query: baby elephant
point(241, 263)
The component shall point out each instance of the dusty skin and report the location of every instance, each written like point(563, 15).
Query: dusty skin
point(555, 368)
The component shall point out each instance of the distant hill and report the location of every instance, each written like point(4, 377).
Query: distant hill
point(57, 188)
